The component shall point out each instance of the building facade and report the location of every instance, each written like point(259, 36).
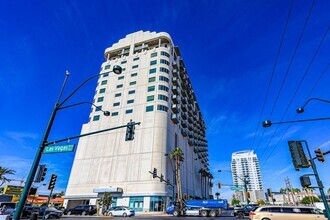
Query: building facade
point(154, 89)
point(245, 164)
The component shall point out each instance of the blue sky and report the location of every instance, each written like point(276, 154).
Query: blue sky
point(229, 49)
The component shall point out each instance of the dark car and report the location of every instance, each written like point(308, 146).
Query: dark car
point(241, 212)
point(82, 210)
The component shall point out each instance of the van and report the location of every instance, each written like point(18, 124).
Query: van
point(286, 212)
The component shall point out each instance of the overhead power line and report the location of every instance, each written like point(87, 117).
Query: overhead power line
point(272, 75)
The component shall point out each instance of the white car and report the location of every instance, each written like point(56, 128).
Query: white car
point(121, 211)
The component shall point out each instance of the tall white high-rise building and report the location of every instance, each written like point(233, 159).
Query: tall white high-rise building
point(245, 164)
point(154, 89)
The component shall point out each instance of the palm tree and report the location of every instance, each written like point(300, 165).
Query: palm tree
point(177, 155)
point(5, 171)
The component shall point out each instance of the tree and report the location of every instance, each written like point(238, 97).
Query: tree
point(105, 202)
point(309, 199)
point(328, 191)
point(217, 194)
point(282, 190)
point(296, 190)
point(177, 155)
point(234, 201)
point(3, 172)
point(261, 202)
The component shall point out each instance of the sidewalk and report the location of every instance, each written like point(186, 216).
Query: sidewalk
point(151, 214)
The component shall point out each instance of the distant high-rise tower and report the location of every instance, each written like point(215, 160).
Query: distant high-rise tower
point(246, 164)
point(154, 89)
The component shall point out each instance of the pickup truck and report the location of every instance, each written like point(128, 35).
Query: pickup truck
point(241, 212)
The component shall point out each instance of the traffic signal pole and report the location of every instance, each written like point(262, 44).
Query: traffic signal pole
point(319, 182)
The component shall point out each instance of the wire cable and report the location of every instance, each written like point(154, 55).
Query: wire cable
point(271, 78)
point(292, 58)
point(299, 85)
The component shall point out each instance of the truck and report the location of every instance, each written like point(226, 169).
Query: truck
point(202, 208)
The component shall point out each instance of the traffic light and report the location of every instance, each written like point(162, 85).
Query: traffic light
point(154, 173)
point(219, 185)
point(305, 181)
point(298, 155)
point(319, 155)
point(130, 131)
point(269, 192)
point(248, 195)
point(41, 173)
point(168, 182)
point(52, 182)
point(161, 178)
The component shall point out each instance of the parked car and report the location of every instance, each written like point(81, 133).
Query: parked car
point(120, 211)
point(240, 212)
point(287, 212)
point(81, 210)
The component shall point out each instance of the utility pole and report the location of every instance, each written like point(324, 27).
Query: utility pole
point(289, 187)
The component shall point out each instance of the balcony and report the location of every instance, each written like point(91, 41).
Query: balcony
point(184, 100)
point(175, 81)
point(175, 73)
point(175, 65)
point(184, 107)
point(183, 124)
point(184, 132)
point(175, 108)
point(175, 99)
point(190, 134)
point(175, 90)
point(184, 116)
point(175, 118)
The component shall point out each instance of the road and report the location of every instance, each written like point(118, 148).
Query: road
point(226, 215)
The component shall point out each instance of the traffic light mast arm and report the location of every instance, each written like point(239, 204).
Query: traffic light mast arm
point(90, 133)
point(324, 153)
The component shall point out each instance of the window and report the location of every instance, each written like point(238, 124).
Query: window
point(153, 62)
point(164, 88)
point(129, 111)
point(107, 67)
point(131, 92)
point(136, 58)
point(150, 98)
point(133, 74)
point(98, 108)
point(275, 209)
point(287, 210)
point(151, 71)
point(106, 74)
point(117, 94)
point(135, 66)
point(157, 203)
point(163, 78)
point(163, 97)
point(164, 70)
point(163, 53)
point(104, 82)
point(130, 101)
point(149, 108)
point(96, 118)
point(164, 62)
point(123, 62)
point(151, 88)
point(132, 83)
point(116, 104)
point(119, 86)
point(114, 113)
point(102, 90)
point(162, 108)
point(120, 77)
point(152, 79)
point(136, 203)
point(100, 99)
point(153, 54)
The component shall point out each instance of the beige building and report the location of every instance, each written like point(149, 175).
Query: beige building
point(154, 89)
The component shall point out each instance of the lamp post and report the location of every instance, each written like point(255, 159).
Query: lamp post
point(245, 181)
point(302, 109)
point(57, 106)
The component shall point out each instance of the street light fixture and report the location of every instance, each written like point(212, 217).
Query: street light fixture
point(17, 215)
point(302, 109)
point(268, 123)
point(105, 113)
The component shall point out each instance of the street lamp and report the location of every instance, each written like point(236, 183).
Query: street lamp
point(268, 123)
point(117, 70)
point(105, 113)
point(302, 109)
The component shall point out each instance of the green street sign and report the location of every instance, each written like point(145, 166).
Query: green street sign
point(237, 188)
point(58, 149)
